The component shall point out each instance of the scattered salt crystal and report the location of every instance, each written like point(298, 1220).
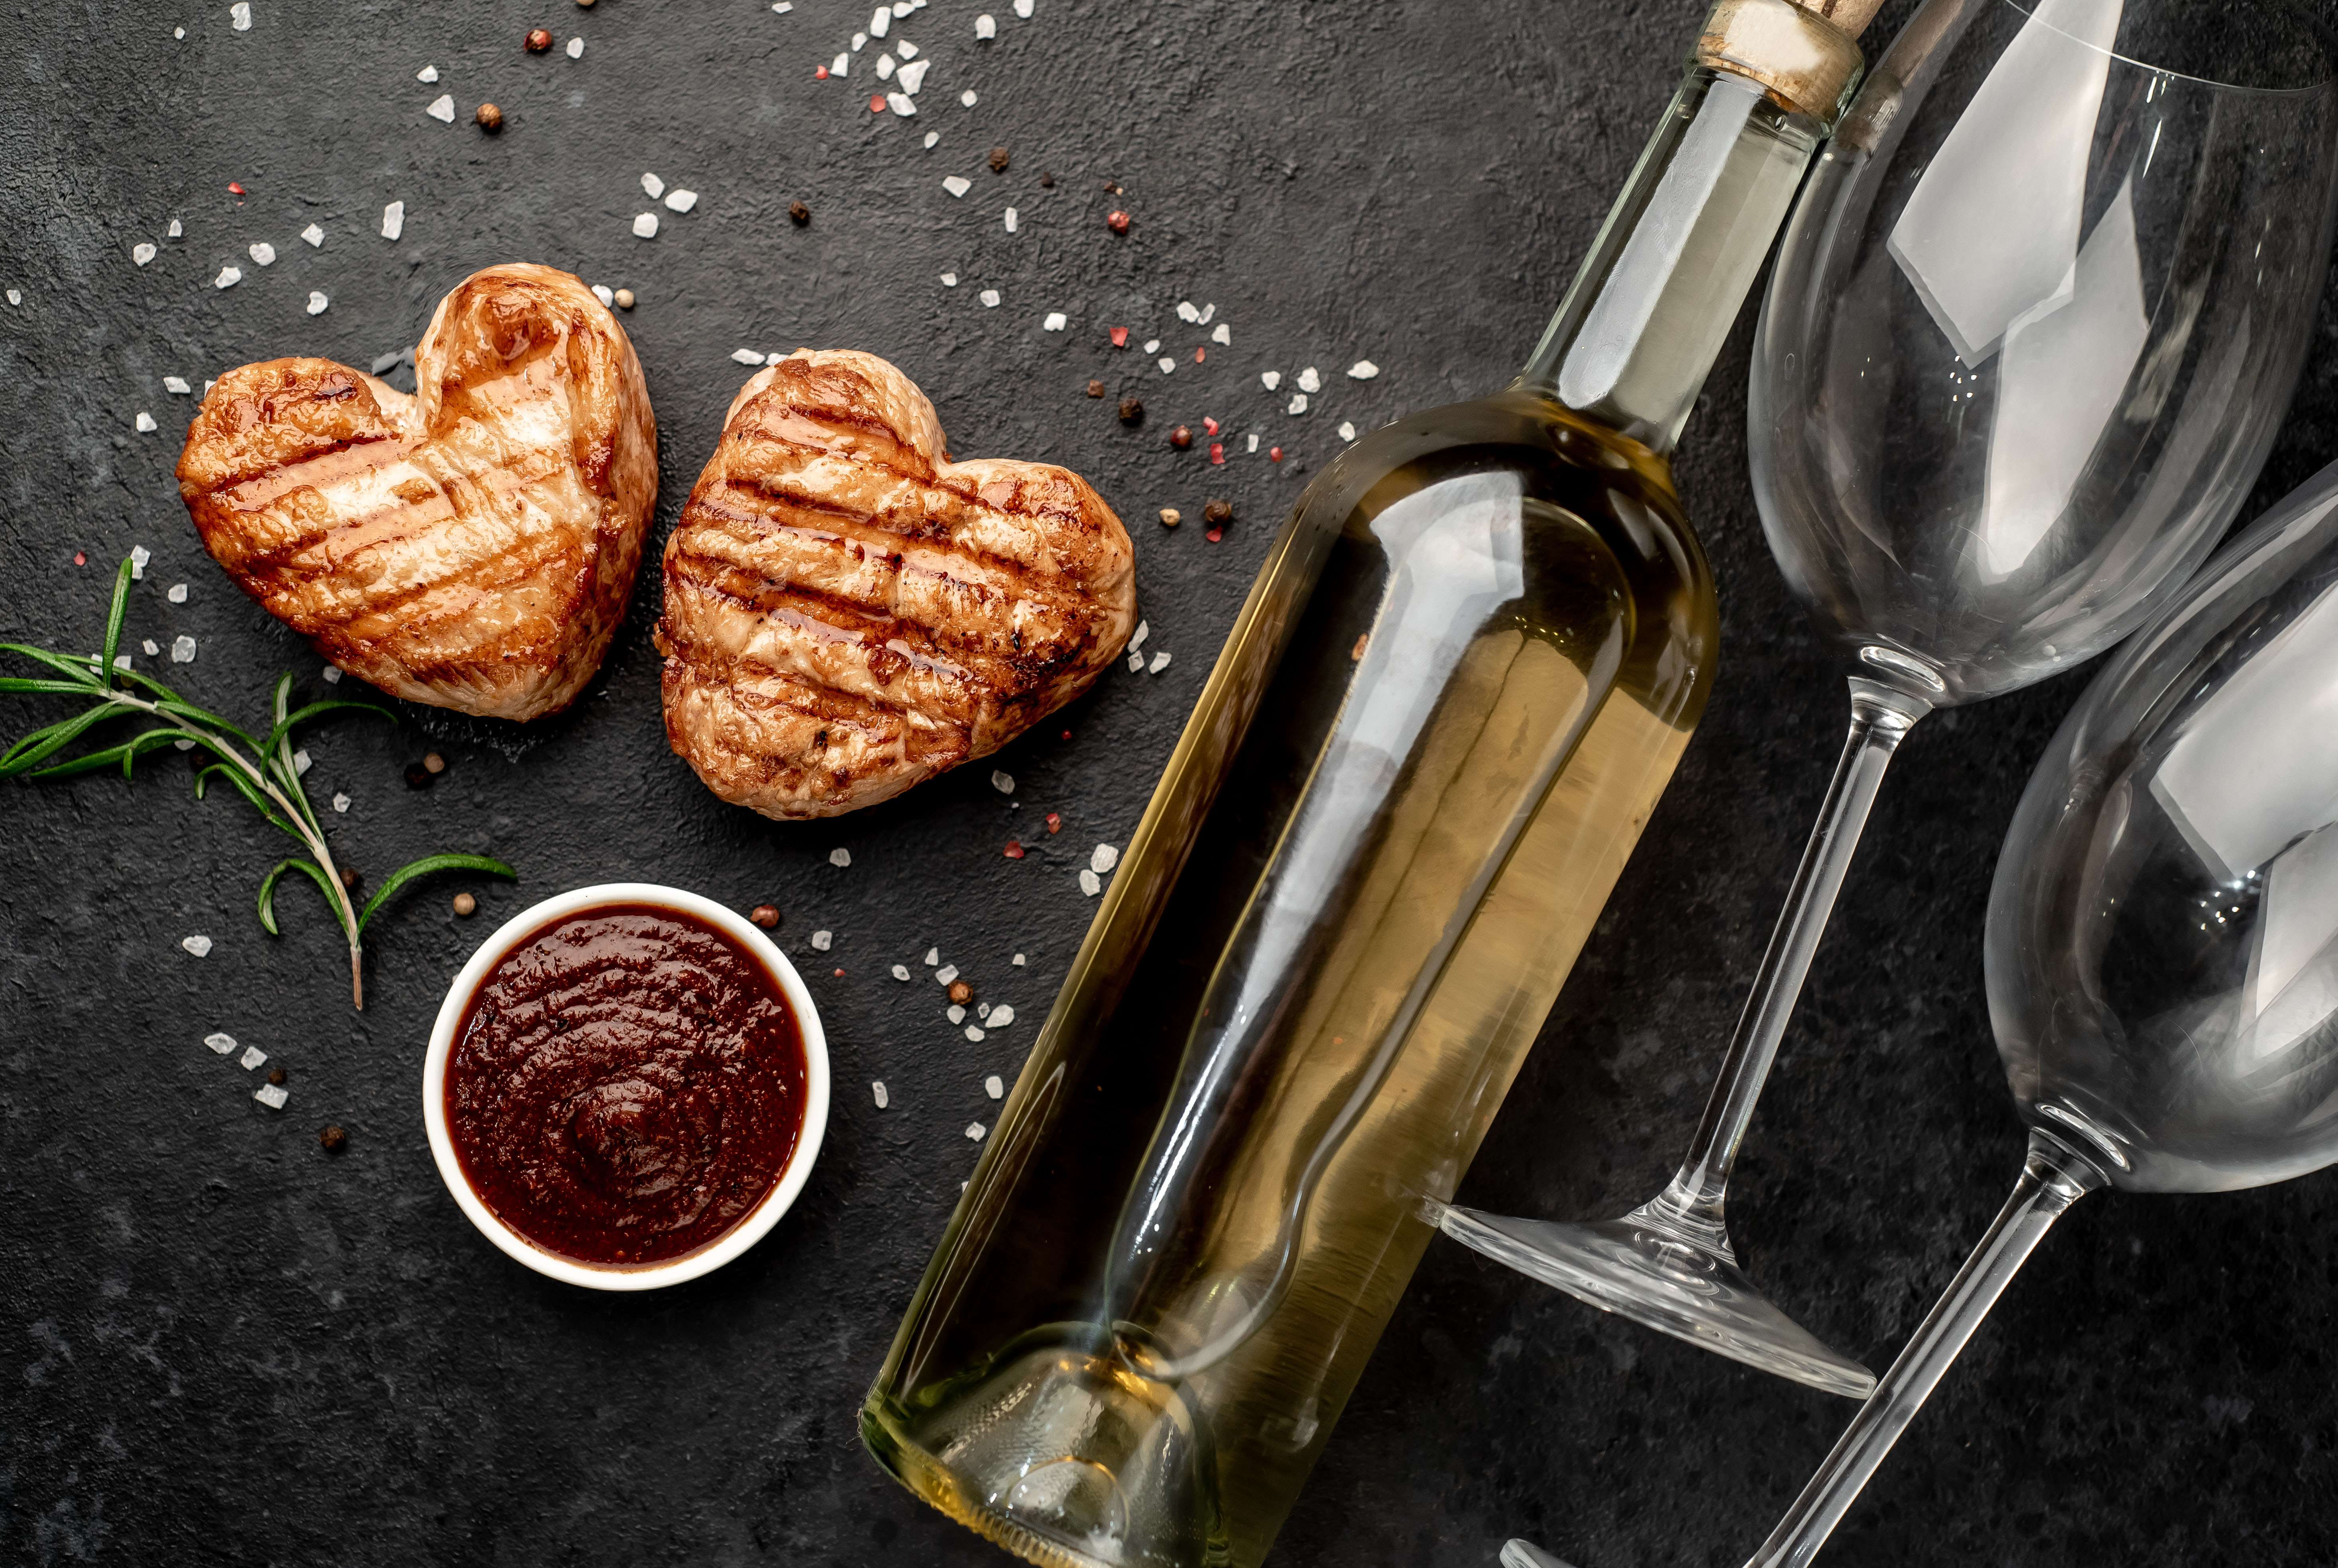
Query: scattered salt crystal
point(858, 40)
point(645, 226)
point(1056, 322)
point(748, 355)
point(146, 422)
point(173, 232)
point(576, 48)
point(1160, 662)
point(1253, 442)
point(252, 1057)
point(907, 51)
point(945, 974)
point(932, 137)
point(178, 32)
point(263, 253)
point(1137, 637)
point(954, 1013)
point(957, 184)
point(1011, 220)
point(1364, 371)
point(933, 956)
point(176, 385)
point(989, 298)
point(239, 16)
point(840, 856)
point(823, 941)
point(884, 68)
point(393, 220)
point(1347, 431)
point(1016, 961)
point(1023, 9)
point(1089, 884)
point(838, 66)
point(967, 98)
point(313, 235)
point(1103, 857)
point(142, 253)
point(1188, 311)
point(229, 277)
point(880, 22)
point(1209, 310)
point(198, 945)
point(1309, 381)
point(442, 108)
point(15, 296)
point(982, 1009)
point(177, 593)
point(875, 1086)
point(986, 27)
point(1224, 333)
point(154, 648)
point(272, 1095)
point(1002, 1016)
point(901, 103)
point(949, 280)
point(913, 76)
point(605, 294)
point(1135, 662)
point(901, 971)
point(139, 556)
point(993, 1087)
point(1002, 781)
point(974, 1032)
point(427, 74)
point(975, 1131)
point(1166, 364)
point(773, 358)
point(903, 7)
point(780, 8)
point(680, 200)
point(302, 762)
point(223, 1043)
point(341, 803)
point(332, 675)
point(1299, 403)
point(654, 186)
point(1152, 345)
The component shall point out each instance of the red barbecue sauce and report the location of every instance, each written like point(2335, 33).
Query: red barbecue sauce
point(627, 1085)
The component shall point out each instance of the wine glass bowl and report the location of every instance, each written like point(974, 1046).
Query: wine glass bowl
point(2034, 322)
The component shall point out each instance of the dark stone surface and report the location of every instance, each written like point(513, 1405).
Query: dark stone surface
point(219, 1344)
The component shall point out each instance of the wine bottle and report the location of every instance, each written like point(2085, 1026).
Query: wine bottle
point(1460, 682)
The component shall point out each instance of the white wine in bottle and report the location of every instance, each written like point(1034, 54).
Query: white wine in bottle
point(1462, 681)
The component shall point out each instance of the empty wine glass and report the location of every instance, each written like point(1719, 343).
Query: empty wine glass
point(2037, 315)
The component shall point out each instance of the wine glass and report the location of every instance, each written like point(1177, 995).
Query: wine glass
point(2035, 318)
point(2162, 948)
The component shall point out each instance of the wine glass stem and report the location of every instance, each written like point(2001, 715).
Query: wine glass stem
point(2053, 1178)
point(1880, 717)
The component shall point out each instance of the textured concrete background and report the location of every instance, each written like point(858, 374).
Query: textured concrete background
point(216, 1344)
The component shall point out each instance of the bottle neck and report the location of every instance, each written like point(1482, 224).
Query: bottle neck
point(1634, 340)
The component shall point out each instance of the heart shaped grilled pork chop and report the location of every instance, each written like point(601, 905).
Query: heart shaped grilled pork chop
point(849, 612)
point(471, 546)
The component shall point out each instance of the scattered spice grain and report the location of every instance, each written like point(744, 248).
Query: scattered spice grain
point(624, 299)
point(418, 776)
point(465, 906)
point(798, 213)
point(351, 876)
point(1117, 220)
point(1096, 388)
point(960, 993)
point(764, 914)
point(1181, 438)
point(490, 118)
point(998, 159)
point(539, 39)
point(276, 1076)
point(1171, 518)
point(1217, 512)
point(1047, 180)
point(436, 763)
point(1131, 411)
point(331, 1136)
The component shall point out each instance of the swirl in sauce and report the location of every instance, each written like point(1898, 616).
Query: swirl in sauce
point(626, 1086)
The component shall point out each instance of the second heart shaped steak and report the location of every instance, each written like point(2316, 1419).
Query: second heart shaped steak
point(470, 546)
point(849, 612)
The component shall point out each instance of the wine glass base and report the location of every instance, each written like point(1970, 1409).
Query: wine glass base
point(1625, 1268)
point(1526, 1554)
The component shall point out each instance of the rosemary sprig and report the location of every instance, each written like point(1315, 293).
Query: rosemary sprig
point(261, 770)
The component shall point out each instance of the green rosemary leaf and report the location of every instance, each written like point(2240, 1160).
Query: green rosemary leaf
point(268, 889)
point(249, 791)
point(33, 685)
point(188, 713)
point(78, 669)
point(113, 615)
point(425, 867)
point(91, 762)
point(48, 740)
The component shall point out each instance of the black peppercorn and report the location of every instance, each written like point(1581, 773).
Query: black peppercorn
point(1181, 438)
point(351, 876)
point(418, 776)
point(799, 212)
point(1217, 512)
point(1131, 411)
point(1047, 180)
point(333, 1139)
point(276, 1076)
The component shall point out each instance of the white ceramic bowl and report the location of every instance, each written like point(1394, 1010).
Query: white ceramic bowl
point(739, 1236)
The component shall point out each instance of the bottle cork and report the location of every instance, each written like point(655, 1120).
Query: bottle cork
point(1803, 51)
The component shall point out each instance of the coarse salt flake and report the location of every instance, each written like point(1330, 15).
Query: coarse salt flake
point(1137, 637)
point(1364, 371)
point(605, 294)
point(974, 1032)
point(1023, 9)
point(1166, 364)
point(1001, 1016)
point(576, 48)
point(177, 385)
point(880, 22)
point(199, 946)
point(1056, 322)
point(989, 298)
point(238, 15)
point(748, 355)
point(1136, 664)
point(427, 74)
point(957, 184)
point(913, 75)
point(967, 98)
point(884, 68)
point(142, 253)
point(901, 971)
point(145, 423)
point(229, 277)
point(1152, 345)
point(773, 358)
point(393, 220)
point(823, 941)
point(252, 1057)
point(986, 27)
point(302, 762)
point(220, 1042)
point(680, 200)
point(975, 1129)
point(875, 1086)
point(1090, 884)
point(1207, 311)
point(332, 675)
point(341, 803)
point(272, 1095)
point(176, 593)
point(907, 50)
point(1223, 333)
point(173, 232)
point(1188, 311)
point(1012, 220)
point(442, 108)
point(945, 974)
point(1309, 381)
point(933, 956)
point(932, 137)
point(645, 226)
point(780, 8)
point(652, 186)
point(901, 103)
point(15, 296)
point(1347, 431)
point(1160, 662)
point(954, 1013)
point(949, 280)
point(263, 253)
point(1299, 403)
point(1253, 439)
point(993, 1087)
point(841, 65)
point(154, 648)
point(1103, 858)
point(840, 856)
point(1004, 782)
point(1271, 380)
